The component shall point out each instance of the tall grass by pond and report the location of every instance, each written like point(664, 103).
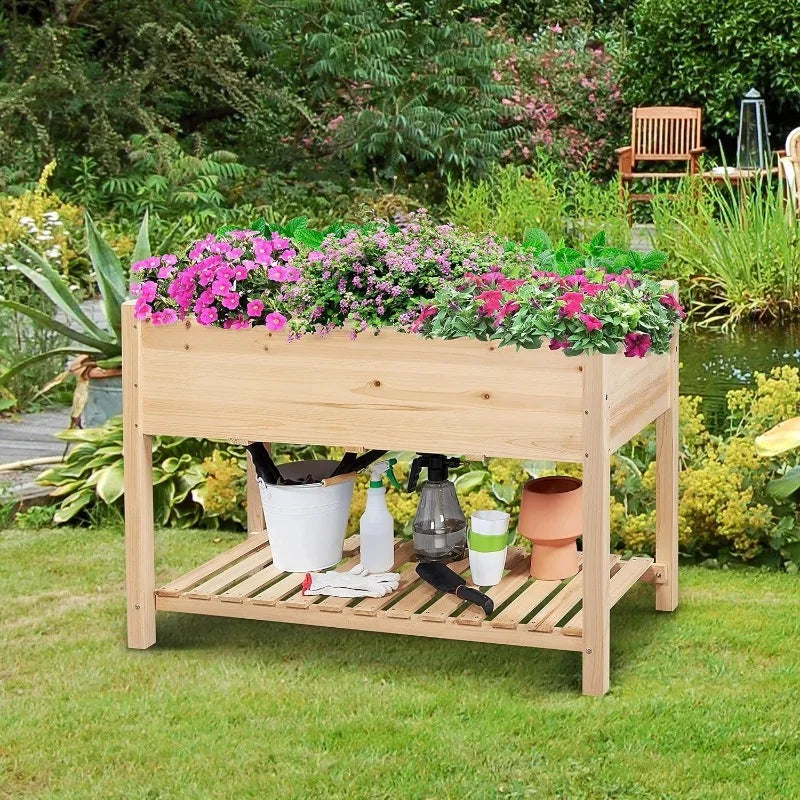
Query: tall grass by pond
point(735, 250)
point(738, 246)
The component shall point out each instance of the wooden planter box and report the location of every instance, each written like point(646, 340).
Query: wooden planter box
point(396, 391)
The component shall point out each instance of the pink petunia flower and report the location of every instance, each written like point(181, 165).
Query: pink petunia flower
point(510, 307)
point(315, 255)
point(275, 321)
point(277, 273)
point(559, 344)
point(142, 310)
point(573, 303)
point(207, 316)
point(255, 308)
point(149, 289)
point(636, 344)
point(426, 313)
point(591, 322)
point(221, 287)
point(670, 301)
point(490, 301)
point(231, 300)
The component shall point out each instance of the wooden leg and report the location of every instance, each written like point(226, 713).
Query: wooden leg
point(137, 458)
point(667, 457)
point(255, 511)
point(596, 529)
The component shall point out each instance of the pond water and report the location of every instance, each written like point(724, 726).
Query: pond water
point(715, 362)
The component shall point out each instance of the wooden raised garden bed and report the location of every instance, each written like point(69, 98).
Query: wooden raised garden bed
point(400, 392)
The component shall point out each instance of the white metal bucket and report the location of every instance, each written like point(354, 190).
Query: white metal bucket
point(306, 524)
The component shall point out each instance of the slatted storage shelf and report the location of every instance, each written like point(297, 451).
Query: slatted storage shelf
point(243, 582)
point(399, 392)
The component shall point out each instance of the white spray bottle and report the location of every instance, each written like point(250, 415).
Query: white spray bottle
point(377, 525)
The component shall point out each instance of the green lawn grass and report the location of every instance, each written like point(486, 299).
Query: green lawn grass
point(705, 702)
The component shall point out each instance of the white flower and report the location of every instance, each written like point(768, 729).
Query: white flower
point(26, 221)
point(44, 237)
point(51, 215)
point(53, 252)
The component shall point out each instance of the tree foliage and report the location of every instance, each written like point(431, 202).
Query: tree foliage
point(709, 54)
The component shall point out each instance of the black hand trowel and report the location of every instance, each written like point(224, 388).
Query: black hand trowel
point(442, 578)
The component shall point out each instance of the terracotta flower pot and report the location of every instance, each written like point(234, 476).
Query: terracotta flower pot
point(551, 515)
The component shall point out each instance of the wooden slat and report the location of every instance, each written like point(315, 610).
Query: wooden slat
point(419, 596)
point(521, 606)
point(223, 560)
point(376, 624)
point(448, 604)
point(628, 574)
point(517, 576)
point(237, 594)
point(232, 575)
point(370, 606)
point(403, 552)
point(547, 618)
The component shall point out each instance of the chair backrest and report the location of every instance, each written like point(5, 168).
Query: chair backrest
point(665, 133)
point(793, 145)
point(791, 178)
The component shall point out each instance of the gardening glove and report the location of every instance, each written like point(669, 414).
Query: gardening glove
point(357, 582)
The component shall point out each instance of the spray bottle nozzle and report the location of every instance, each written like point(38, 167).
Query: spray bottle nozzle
point(378, 470)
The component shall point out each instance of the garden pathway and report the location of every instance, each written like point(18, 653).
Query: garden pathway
point(30, 436)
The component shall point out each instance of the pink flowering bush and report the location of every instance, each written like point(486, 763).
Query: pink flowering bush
point(588, 311)
point(233, 280)
point(566, 98)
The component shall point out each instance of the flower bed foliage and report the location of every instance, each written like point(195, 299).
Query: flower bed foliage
point(437, 280)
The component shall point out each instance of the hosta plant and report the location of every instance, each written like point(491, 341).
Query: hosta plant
point(92, 474)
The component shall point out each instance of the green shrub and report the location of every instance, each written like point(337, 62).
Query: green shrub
point(709, 54)
point(416, 93)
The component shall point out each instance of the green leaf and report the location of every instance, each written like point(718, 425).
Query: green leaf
point(21, 366)
point(294, 225)
point(141, 250)
point(783, 488)
point(110, 275)
point(309, 237)
point(535, 468)
point(72, 505)
point(163, 498)
point(470, 481)
point(597, 243)
point(504, 492)
point(110, 485)
point(52, 286)
point(654, 260)
point(47, 321)
point(537, 240)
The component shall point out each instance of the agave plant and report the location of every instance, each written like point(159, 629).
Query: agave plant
point(102, 344)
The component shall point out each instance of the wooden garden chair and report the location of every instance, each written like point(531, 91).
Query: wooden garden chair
point(790, 166)
point(660, 134)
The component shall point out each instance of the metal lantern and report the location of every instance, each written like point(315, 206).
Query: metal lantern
point(752, 150)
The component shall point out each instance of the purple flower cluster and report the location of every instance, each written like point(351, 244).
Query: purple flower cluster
point(376, 275)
